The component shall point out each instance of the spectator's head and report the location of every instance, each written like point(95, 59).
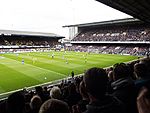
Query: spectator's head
point(45, 88)
point(38, 89)
point(141, 70)
point(36, 102)
point(54, 106)
point(96, 80)
point(146, 61)
point(65, 92)
point(72, 89)
point(143, 100)
point(16, 103)
point(55, 92)
point(109, 69)
point(121, 70)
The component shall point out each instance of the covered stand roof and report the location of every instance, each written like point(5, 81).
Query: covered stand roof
point(137, 8)
point(110, 22)
point(29, 34)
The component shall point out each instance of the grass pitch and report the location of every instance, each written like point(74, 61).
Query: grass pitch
point(40, 67)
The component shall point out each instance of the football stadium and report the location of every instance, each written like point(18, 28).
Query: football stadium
point(104, 67)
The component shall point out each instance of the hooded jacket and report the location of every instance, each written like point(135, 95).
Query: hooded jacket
point(124, 89)
point(108, 105)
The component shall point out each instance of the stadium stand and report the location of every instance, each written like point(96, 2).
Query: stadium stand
point(123, 36)
point(2, 42)
point(23, 39)
point(111, 49)
point(123, 33)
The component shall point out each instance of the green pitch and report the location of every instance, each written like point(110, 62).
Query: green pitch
point(40, 67)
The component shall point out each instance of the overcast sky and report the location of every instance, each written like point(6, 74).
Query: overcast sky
point(51, 15)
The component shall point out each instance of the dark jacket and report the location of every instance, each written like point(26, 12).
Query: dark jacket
point(142, 82)
point(124, 89)
point(109, 104)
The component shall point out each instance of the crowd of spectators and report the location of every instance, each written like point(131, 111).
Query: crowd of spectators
point(27, 42)
point(112, 49)
point(122, 88)
point(2, 41)
point(24, 50)
point(121, 33)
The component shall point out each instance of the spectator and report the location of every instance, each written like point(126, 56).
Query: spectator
point(73, 96)
point(85, 98)
point(46, 92)
point(143, 100)
point(35, 104)
point(16, 103)
point(55, 93)
point(96, 81)
point(142, 71)
point(54, 106)
point(40, 93)
point(124, 87)
point(3, 108)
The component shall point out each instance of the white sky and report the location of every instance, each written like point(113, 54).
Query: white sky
point(51, 15)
